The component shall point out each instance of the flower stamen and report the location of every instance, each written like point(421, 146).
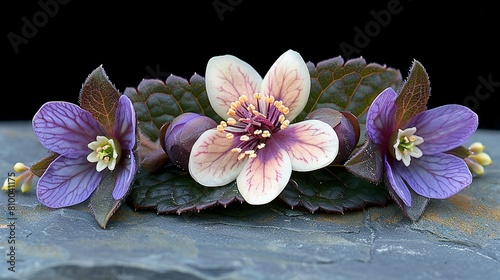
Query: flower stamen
point(253, 124)
point(105, 152)
point(406, 145)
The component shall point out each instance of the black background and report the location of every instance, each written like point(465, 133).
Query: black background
point(456, 43)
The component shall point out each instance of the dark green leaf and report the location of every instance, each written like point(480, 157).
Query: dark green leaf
point(332, 189)
point(173, 190)
point(39, 167)
point(460, 151)
point(157, 103)
point(348, 87)
point(413, 96)
point(100, 97)
point(102, 205)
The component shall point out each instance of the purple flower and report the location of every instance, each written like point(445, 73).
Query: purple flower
point(86, 151)
point(258, 145)
point(414, 152)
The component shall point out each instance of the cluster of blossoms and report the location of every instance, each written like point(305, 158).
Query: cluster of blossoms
point(257, 144)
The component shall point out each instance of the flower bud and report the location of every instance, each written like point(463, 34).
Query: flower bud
point(476, 147)
point(482, 158)
point(346, 126)
point(181, 134)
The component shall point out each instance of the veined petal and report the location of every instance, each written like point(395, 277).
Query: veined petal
point(289, 80)
point(124, 175)
point(437, 176)
point(380, 117)
point(310, 144)
point(444, 128)
point(65, 128)
point(67, 182)
point(125, 123)
point(211, 162)
point(227, 78)
point(395, 182)
point(264, 177)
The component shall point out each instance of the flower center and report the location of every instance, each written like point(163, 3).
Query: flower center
point(105, 152)
point(254, 124)
point(406, 145)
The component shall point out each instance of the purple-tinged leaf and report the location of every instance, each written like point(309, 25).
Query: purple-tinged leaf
point(367, 162)
point(100, 97)
point(67, 182)
point(413, 95)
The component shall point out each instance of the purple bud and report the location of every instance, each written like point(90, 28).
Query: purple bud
point(346, 126)
point(182, 133)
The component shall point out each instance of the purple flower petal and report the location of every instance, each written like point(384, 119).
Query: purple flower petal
point(125, 123)
point(65, 128)
point(124, 175)
point(444, 128)
point(380, 117)
point(395, 182)
point(67, 182)
point(437, 176)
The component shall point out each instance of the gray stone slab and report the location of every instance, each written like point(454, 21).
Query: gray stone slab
point(457, 238)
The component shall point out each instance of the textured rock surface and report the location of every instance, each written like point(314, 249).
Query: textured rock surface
point(457, 238)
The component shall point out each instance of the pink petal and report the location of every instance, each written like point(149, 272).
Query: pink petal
point(211, 162)
point(437, 176)
point(265, 176)
point(67, 182)
point(227, 78)
point(310, 144)
point(289, 80)
point(124, 174)
point(380, 117)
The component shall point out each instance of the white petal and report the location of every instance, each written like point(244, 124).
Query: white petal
point(311, 144)
point(264, 177)
point(289, 80)
point(211, 162)
point(227, 78)
point(416, 153)
point(92, 157)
